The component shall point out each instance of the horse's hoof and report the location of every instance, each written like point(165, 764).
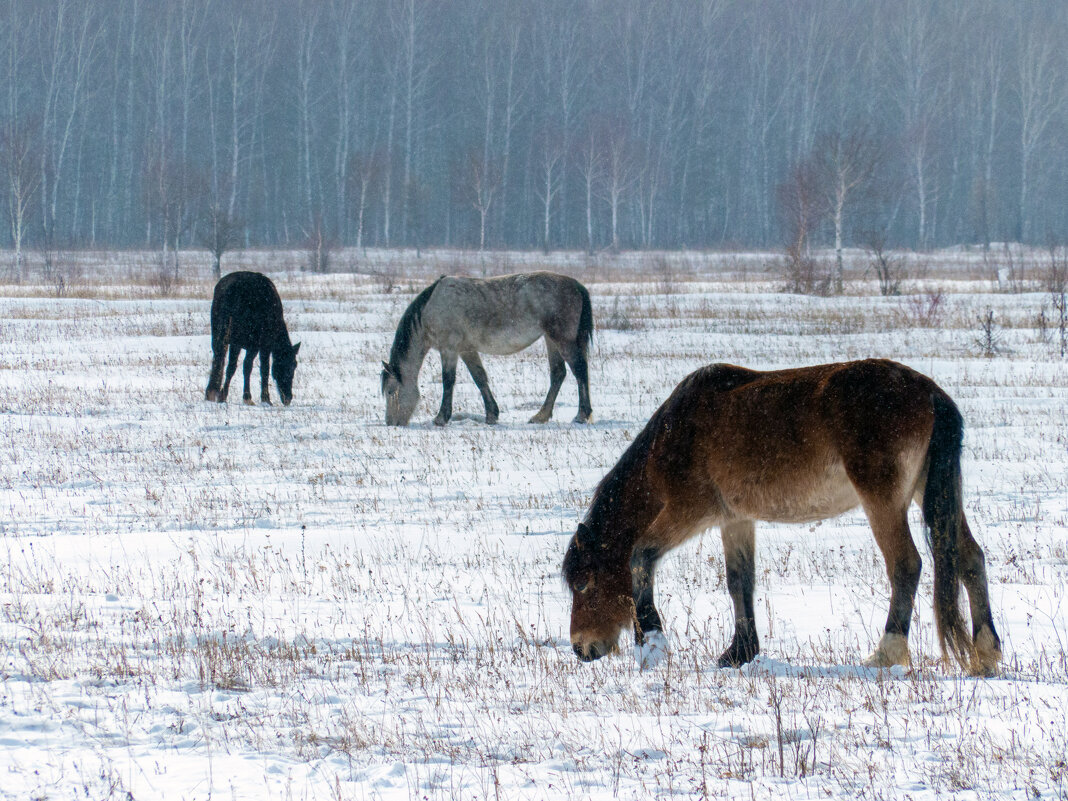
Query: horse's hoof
point(986, 655)
point(583, 419)
point(440, 421)
point(653, 651)
point(265, 402)
point(491, 421)
point(729, 660)
point(540, 417)
point(740, 652)
point(893, 649)
point(249, 401)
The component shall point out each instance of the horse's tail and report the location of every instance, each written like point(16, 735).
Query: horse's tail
point(943, 516)
point(585, 329)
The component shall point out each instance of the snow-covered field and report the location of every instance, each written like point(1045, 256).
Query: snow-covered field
point(220, 601)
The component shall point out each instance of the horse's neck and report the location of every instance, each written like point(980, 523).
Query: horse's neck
point(622, 511)
point(282, 342)
point(412, 362)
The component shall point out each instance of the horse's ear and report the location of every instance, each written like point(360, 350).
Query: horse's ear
point(296, 348)
point(584, 536)
point(387, 369)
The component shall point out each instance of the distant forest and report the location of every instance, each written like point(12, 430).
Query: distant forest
point(532, 123)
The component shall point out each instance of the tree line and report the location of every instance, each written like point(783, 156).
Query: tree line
point(525, 124)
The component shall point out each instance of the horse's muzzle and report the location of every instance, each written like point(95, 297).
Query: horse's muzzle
point(591, 652)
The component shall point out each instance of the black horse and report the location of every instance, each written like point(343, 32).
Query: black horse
point(246, 314)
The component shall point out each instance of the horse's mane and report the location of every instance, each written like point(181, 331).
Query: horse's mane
point(617, 483)
point(613, 485)
point(409, 324)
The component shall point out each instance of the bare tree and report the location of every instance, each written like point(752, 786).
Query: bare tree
point(843, 162)
point(414, 69)
point(914, 43)
point(565, 71)
point(18, 160)
point(171, 191)
point(1041, 92)
point(485, 178)
point(71, 46)
point(803, 204)
point(320, 247)
point(308, 16)
point(618, 175)
point(221, 233)
point(364, 171)
point(591, 164)
point(550, 168)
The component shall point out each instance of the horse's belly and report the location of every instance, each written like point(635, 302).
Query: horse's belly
point(505, 343)
point(817, 497)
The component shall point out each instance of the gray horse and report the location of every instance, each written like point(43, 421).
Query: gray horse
point(463, 317)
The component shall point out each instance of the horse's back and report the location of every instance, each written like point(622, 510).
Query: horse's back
point(799, 444)
point(246, 310)
point(503, 314)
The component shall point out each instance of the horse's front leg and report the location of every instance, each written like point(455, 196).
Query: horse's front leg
point(739, 550)
point(231, 368)
point(448, 381)
point(478, 373)
point(246, 370)
point(649, 639)
point(265, 375)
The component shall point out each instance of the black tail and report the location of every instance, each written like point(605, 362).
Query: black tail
point(943, 515)
point(585, 329)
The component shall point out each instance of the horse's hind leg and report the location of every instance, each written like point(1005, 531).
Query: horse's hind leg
point(987, 652)
point(478, 373)
point(739, 550)
point(557, 373)
point(231, 368)
point(246, 370)
point(215, 378)
point(648, 629)
point(448, 381)
point(890, 525)
point(575, 355)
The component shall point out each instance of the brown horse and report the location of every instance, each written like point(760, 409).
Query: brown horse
point(732, 446)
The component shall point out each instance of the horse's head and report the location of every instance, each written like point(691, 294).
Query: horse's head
point(601, 602)
point(401, 397)
point(283, 367)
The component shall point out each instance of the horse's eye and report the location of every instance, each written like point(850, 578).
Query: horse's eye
point(583, 586)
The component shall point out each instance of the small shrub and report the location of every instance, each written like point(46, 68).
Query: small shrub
point(803, 275)
point(989, 335)
point(619, 319)
point(889, 269)
point(925, 310)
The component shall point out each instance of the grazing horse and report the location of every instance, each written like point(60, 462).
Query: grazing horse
point(463, 317)
point(246, 314)
point(731, 446)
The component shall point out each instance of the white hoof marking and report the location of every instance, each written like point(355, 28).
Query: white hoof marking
point(653, 651)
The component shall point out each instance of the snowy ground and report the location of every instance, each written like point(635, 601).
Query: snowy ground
point(219, 601)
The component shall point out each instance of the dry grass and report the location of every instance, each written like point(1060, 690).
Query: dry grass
point(305, 587)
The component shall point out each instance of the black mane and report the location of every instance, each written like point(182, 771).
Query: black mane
point(409, 323)
point(600, 527)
